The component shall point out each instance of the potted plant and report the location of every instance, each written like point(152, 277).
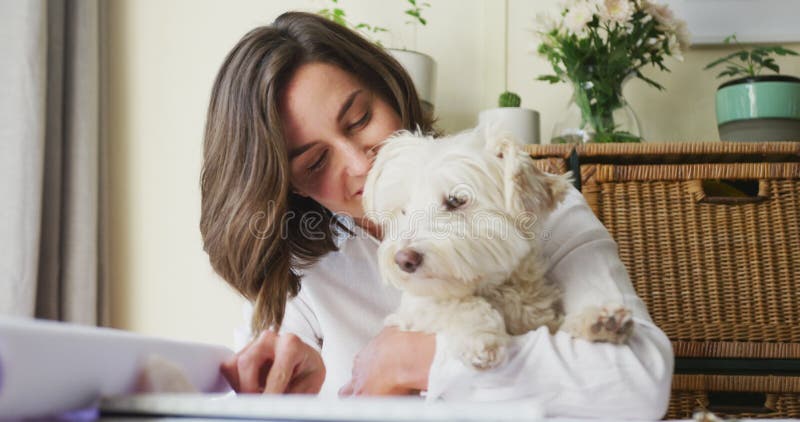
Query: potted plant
point(523, 123)
point(756, 107)
point(419, 66)
point(598, 45)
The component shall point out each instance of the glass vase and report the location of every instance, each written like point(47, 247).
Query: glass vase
point(597, 113)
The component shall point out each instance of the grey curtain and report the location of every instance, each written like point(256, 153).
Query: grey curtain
point(52, 167)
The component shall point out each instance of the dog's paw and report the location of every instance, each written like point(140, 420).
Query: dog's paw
point(483, 351)
point(613, 324)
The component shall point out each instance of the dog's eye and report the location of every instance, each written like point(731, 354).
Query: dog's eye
point(453, 202)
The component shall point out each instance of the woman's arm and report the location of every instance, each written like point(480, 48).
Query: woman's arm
point(570, 377)
point(300, 320)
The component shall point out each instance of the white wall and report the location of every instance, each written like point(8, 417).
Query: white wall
point(164, 55)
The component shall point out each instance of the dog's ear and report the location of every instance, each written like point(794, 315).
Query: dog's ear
point(525, 187)
point(388, 151)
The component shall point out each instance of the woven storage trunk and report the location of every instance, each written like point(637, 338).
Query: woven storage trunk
point(551, 158)
point(719, 274)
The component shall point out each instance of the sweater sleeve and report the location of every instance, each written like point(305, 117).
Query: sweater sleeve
point(573, 377)
point(300, 320)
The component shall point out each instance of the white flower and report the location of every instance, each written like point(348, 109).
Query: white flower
point(578, 16)
point(661, 12)
point(683, 35)
point(619, 11)
point(675, 47)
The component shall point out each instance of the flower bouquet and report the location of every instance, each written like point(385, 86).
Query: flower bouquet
point(597, 45)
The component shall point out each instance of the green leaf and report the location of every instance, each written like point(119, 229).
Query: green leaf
point(724, 59)
point(736, 69)
point(784, 51)
point(731, 72)
point(743, 55)
point(758, 54)
point(413, 2)
point(553, 79)
point(772, 66)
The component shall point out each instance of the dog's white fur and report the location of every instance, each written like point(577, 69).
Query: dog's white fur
point(480, 279)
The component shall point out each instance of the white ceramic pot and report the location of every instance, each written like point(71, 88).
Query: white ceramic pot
point(422, 69)
point(520, 122)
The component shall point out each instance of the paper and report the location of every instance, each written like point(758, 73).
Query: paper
point(48, 367)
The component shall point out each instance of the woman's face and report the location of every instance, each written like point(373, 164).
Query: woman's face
point(331, 122)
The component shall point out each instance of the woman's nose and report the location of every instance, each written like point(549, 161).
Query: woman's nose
point(359, 159)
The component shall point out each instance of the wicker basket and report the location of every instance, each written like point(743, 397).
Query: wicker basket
point(719, 273)
point(551, 158)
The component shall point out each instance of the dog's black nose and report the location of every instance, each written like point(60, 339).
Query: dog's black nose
point(408, 259)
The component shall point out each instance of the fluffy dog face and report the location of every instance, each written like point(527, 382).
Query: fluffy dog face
point(455, 212)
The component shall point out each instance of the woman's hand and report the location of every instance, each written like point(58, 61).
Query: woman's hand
point(275, 363)
point(393, 363)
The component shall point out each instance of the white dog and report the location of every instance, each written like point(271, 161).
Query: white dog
point(457, 215)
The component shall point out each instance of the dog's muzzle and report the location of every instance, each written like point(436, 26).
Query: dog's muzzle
point(408, 259)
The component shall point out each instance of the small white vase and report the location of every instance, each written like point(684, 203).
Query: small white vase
point(523, 123)
point(422, 69)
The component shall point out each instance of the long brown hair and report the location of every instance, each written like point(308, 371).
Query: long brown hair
point(249, 215)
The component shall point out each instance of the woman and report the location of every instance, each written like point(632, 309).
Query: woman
point(296, 111)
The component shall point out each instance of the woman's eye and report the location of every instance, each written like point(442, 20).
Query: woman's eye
point(360, 122)
point(319, 163)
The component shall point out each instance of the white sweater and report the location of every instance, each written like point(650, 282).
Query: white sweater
point(342, 304)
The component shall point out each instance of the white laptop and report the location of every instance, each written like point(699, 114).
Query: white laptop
point(49, 368)
point(313, 408)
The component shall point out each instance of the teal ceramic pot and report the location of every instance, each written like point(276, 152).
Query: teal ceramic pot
point(762, 108)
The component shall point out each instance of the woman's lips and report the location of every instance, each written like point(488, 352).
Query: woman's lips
point(360, 192)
